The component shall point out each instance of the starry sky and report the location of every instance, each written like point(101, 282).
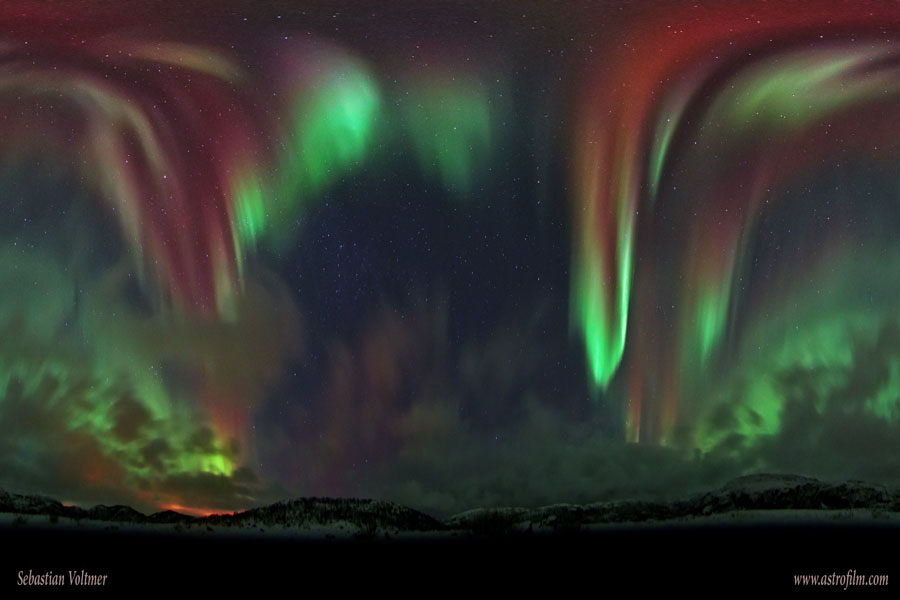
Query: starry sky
point(447, 254)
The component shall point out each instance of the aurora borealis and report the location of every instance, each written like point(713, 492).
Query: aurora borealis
point(445, 254)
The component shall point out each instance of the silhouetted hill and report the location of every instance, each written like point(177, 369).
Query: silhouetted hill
point(755, 496)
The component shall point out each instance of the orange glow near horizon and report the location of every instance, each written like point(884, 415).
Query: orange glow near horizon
point(195, 511)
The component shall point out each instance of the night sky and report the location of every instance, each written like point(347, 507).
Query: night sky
point(445, 254)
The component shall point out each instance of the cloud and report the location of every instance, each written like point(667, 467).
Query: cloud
point(404, 420)
point(105, 401)
point(216, 492)
point(846, 428)
point(542, 459)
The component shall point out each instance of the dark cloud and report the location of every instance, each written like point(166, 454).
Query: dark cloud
point(542, 459)
point(154, 452)
point(82, 423)
point(827, 430)
point(217, 492)
point(129, 417)
point(840, 431)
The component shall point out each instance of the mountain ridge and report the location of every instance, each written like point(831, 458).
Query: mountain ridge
point(759, 496)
